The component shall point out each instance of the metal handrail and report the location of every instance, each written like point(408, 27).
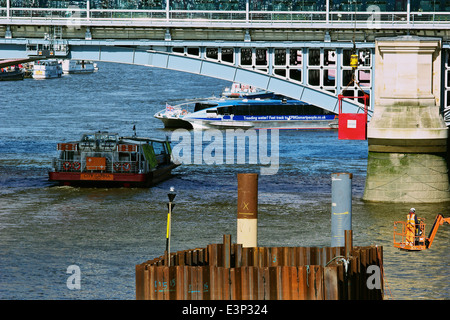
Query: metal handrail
point(72, 166)
point(400, 234)
point(328, 17)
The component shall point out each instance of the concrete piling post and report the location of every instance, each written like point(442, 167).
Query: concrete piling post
point(341, 207)
point(247, 211)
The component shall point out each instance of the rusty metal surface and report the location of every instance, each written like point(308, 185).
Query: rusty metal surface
point(230, 272)
point(247, 196)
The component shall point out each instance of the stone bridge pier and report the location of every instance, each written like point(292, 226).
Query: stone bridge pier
point(407, 135)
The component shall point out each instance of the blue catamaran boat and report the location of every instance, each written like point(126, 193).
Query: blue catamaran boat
point(225, 113)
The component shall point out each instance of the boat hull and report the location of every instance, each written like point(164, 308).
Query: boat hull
point(12, 76)
point(171, 123)
point(318, 124)
point(79, 71)
point(47, 74)
point(102, 179)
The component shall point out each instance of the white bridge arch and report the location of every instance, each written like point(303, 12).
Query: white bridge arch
point(215, 69)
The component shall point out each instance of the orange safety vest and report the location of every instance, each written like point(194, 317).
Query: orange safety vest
point(410, 228)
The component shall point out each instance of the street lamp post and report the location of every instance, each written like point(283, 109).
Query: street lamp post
point(170, 206)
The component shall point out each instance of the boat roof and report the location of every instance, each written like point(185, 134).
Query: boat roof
point(226, 100)
point(46, 62)
point(113, 136)
point(134, 139)
point(234, 102)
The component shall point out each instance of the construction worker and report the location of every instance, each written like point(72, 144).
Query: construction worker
point(411, 222)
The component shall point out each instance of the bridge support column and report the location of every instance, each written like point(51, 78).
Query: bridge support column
point(8, 33)
point(407, 136)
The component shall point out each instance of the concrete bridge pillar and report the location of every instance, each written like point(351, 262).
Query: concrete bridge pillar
point(407, 136)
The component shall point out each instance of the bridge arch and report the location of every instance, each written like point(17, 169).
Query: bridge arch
point(215, 69)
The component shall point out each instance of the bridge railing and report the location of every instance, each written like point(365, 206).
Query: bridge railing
point(363, 19)
point(114, 14)
point(42, 13)
point(207, 15)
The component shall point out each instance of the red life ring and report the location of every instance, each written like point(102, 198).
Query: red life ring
point(76, 166)
point(67, 165)
point(126, 166)
point(117, 166)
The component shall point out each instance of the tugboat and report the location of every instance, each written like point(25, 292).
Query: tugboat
point(105, 159)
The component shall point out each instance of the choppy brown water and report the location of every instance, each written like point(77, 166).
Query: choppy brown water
point(106, 232)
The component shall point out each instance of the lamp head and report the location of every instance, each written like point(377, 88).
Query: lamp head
point(171, 194)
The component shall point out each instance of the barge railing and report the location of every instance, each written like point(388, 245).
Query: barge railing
point(116, 166)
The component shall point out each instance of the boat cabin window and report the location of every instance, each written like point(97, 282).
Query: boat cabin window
point(89, 137)
point(271, 109)
point(159, 147)
point(225, 110)
point(200, 106)
point(88, 141)
point(111, 138)
point(67, 155)
point(99, 136)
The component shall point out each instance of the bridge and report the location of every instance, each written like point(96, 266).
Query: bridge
point(299, 48)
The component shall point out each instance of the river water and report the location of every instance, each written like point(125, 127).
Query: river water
point(105, 232)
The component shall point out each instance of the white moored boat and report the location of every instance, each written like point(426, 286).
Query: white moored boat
point(78, 66)
point(47, 69)
point(238, 90)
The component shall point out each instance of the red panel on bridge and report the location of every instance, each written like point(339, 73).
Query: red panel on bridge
point(352, 126)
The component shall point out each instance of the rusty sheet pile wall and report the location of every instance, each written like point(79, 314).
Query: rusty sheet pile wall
point(231, 272)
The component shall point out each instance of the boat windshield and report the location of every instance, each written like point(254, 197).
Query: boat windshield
point(202, 105)
point(159, 147)
point(88, 137)
point(100, 136)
